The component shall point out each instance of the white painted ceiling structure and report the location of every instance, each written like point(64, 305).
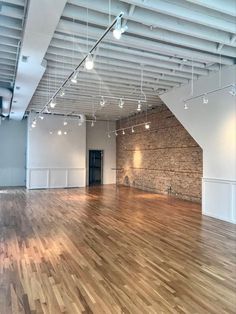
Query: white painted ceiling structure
point(164, 38)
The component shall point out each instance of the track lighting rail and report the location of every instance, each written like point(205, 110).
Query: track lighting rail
point(131, 127)
point(82, 61)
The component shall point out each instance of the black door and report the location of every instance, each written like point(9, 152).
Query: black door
point(95, 167)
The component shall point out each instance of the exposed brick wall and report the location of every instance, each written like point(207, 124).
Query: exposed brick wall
point(162, 157)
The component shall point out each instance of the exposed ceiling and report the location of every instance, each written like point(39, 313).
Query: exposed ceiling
point(165, 38)
point(12, 14)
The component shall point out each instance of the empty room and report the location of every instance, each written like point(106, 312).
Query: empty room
point(118, 156)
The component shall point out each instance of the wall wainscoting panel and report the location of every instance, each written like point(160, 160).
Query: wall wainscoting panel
point(219, 199)
point(50, 178)
point(164, 159)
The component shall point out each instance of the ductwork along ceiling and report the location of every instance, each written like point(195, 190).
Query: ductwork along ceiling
point(167, 39)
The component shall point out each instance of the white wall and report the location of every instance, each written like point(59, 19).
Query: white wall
point(213, 126)
point(12, 153)
point(97, 138)
point(55, 161)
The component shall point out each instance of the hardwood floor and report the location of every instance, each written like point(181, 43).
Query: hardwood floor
point(102, 250)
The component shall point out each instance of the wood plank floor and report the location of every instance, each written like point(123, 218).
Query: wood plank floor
point(108, 250)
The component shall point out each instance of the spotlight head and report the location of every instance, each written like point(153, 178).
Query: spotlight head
point(121, 103)
point(92, 124)
point(33, 125)
point(53, 104)
point(74, 78)
point(65, 123)
point(41, 117)
point(147, 126)
point(123, 132)
point(139, 106)
point(185, 106)
point(50, 132)
point(109, 135)
point(65, 133)
point(132, 129)
point(116, 133)
point(62, 93)
point(205, 99)
point(89, 64)
point(102, 102)
point(233, 90)
point(118, 30)
point(59, 132)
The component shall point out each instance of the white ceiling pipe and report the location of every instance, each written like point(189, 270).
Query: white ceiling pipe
point(6, 95)
point(143, 16)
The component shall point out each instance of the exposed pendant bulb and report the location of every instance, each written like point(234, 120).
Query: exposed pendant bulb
point(121, 103)
point(74, 78)
point(205, 99)
point(89, 64)
point(53, 104)
point(102, 102)
point(118, 30)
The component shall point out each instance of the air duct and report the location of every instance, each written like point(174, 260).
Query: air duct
point(6, 95)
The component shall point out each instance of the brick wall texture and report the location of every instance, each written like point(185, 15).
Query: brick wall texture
point(164, 157)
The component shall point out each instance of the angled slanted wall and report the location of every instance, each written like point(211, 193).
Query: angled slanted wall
point(213, 126)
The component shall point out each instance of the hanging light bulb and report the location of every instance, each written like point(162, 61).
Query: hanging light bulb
point(59, 132)
point(139, 106)
point(205, 99)
point(233, 90)
point(74, 78)
point(89, 64)
point(121, 103)
point(53, 104)
point(62, 93)
point(102, 102)
point(118, 30)
point(185, 106)
point(123, 132)
point(92, 124)
point(116, 133)
point(132, 129)
point(147, 126)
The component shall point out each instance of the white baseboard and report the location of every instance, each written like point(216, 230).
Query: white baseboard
point(219, 199)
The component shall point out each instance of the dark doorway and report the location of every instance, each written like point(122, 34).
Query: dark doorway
point(95, 167)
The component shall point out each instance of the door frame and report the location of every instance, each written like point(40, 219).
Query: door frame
point(102, 163)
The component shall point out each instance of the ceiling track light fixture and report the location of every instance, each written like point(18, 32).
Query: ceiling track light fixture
point(121, 103)
point(53, 104)
point(62, 93)
point(102, 101)
point(89, 64)
point(205, 95)
point(139, 108)
point(145, 124)
point(84, 61)
point(118, 29)
point(74, 78)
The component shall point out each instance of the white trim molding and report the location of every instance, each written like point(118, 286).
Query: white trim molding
point(219, 199)
point(50, 178)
